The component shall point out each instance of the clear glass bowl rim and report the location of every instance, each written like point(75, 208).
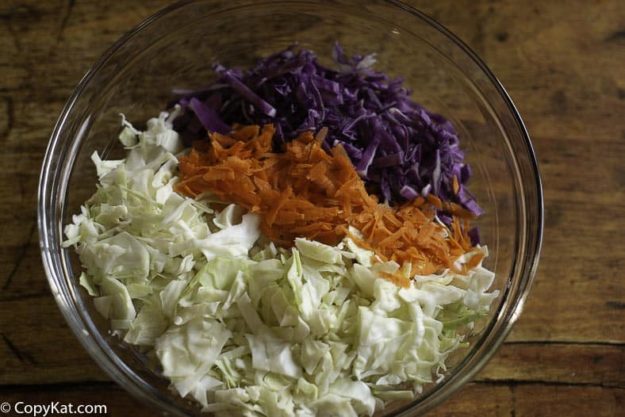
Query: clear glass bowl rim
point(510, 309)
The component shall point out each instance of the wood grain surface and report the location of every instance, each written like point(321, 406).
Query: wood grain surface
point(563, 63)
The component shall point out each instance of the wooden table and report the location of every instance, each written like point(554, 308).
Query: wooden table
point(563, 62)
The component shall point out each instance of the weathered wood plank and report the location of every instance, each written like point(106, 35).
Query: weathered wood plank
point(118, 402)
point(532, 400)
point(37, 347)
point(476, 399)
point(562, 363)
point(544, 400)
point(561, 62)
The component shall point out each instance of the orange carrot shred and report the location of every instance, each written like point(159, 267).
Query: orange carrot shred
point(308, 192)
point(455, 185)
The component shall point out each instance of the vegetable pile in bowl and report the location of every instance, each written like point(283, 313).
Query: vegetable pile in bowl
point(291, 240)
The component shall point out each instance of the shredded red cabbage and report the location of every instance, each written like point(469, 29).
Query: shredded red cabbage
point(399, 148)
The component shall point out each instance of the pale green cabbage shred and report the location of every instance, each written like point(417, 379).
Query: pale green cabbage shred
point(246, 328)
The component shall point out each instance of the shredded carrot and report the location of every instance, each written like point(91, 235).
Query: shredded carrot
point(474, 261)
point(308, 192)
point(435, 201)
point(455, 186)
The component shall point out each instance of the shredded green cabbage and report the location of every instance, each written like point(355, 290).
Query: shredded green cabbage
point(246, 328)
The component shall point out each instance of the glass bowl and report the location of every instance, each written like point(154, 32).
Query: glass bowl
point(175, 49)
